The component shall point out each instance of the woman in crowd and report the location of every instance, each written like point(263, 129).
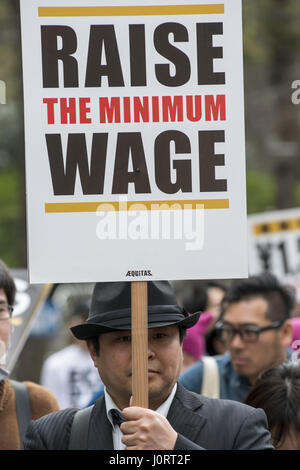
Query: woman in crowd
point(277, 392)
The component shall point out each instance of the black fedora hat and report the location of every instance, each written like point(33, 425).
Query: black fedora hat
point(111, 309)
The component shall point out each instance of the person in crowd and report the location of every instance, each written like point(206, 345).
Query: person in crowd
point(215, 292)
point(214, 342)
point(257, 330)
point(194, 343)
point(277, 392)
point(176, 418)
point(205, 297)
point(19, 402)
point(295, 343)
point(70, 373)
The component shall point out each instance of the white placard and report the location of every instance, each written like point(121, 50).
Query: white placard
point(134, 102)
point(274, 245)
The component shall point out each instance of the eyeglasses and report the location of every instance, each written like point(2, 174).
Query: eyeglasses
point(248, 333)
point(5, 311)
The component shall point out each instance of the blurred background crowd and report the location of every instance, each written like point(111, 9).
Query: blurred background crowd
point(272, 117)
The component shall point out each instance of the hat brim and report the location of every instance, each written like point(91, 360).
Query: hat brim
point(88, 330)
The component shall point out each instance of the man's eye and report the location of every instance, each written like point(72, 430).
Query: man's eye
point(250, 330)
point(124, 339)
point(160, 335)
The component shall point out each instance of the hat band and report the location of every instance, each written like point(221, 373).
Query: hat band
point(123, 317)
point(168, 318)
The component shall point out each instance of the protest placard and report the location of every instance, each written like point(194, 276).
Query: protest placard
point(274, 245)
point(134, 134)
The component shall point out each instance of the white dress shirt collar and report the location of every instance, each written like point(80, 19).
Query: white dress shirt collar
point(117, 434)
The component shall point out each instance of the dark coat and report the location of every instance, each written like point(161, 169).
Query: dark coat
point(201, 423)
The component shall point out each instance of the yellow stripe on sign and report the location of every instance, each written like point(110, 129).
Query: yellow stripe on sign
point(276, 226)
point(63, 207)
point(140, 10)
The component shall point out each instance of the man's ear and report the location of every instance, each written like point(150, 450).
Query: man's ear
point(181, 357)
point(93, 353)
point(286, 332)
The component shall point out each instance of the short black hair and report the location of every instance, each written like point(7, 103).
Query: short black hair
point(277, 392)
point(214, 335)
point(280, 298)
point(196, 300)
point(216, 284)
point(7, 283)
point(94, 340)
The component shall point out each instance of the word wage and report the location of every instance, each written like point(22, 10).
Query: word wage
point(171, 174)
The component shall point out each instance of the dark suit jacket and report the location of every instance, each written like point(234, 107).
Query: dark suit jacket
point(201, 423)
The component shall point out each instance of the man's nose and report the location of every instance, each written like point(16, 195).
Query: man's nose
point(150, 350)
point(237, 342)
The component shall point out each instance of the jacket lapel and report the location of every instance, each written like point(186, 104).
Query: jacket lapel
point(182, 414)
point(100, 432)
point(182, 417)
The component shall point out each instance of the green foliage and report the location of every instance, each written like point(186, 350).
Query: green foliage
point(269, 24)
point(9, 216)
point(297, 194)
point(12, 220)
point(253, 43)
point(261, 192)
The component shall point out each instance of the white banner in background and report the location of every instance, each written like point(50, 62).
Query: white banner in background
point(274, 245)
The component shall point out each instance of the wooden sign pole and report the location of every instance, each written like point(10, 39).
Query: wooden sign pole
point(139, 333)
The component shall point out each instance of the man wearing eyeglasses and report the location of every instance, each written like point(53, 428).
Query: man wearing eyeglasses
point(40, 401)
point(256, 329)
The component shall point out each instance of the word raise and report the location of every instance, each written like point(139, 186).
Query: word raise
point(103, 42)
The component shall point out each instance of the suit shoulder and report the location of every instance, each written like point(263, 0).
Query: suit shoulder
point(243, 427)
point(233, 412)
point(51, 431)
point(247, 426)
point(218, 408)
point(225, 406)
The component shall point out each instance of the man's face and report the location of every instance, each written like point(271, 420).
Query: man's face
point(214, 298)
point(250, 359)
point(114, 364)
point(5, 325)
